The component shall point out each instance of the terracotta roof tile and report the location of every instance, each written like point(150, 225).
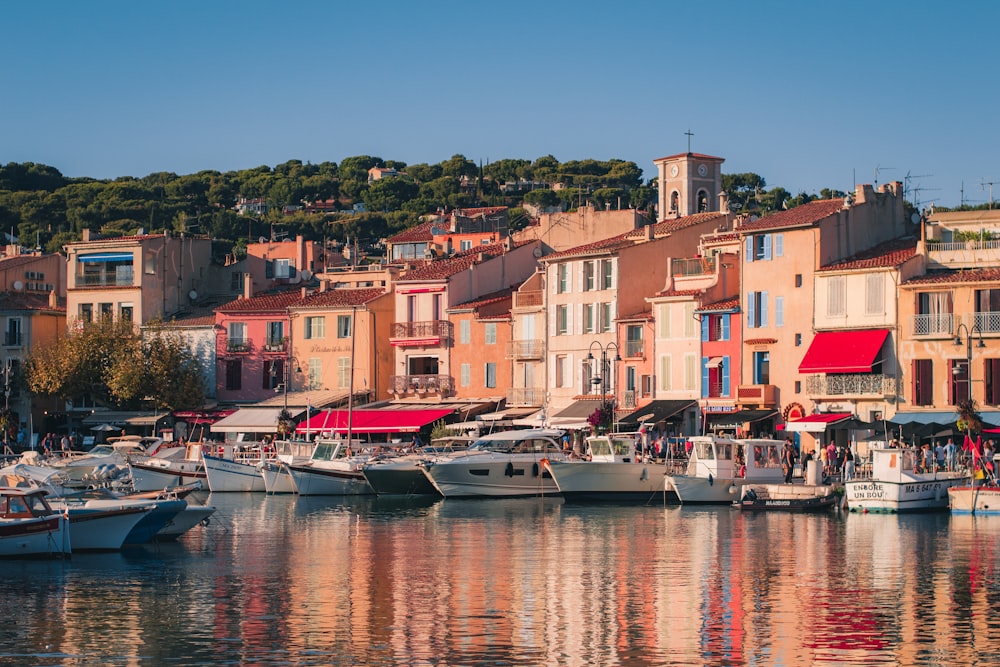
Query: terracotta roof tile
point(641, 316)
point(698, 156)
point(951, 277)
point(23, 301)
point(635, 236)
point(116, 239)
point(890, 254)
point(759, 341)
point(339, 298)
point(800, 216)
point(446, 267)
point(486, 299)
point(679, 292)
point(7, 263)
point(725, 304)
point(416, 234)
point(272, 301)
point(195, 321)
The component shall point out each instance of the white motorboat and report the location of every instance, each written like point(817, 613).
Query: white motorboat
point(277, 478)
point(332, 470)
point(395, 474)
point(233, 467)
point(610, 472)
point(892, 483)
point(101, 464)
point(29, 527)
point(103, 528)
point(505, 464)
point(157, 512)
point(168, 468)
point(719, 467)
point(192, 515)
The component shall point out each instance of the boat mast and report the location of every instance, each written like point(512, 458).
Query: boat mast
point(350, 390)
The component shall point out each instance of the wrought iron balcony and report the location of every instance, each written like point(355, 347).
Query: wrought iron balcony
point(110, 279)
point(851, 384)
point(276, 346)
point(237, 345)
point(634, 348)
point(525, 397)
point(988, 322)
point(432, 332)
point(764, 395)
point(627, 400)
point(528, 299)
point(443, 385)
point(942, 324)
point(526, 349)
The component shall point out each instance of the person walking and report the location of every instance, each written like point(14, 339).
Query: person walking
point(847, 464)
point(788, 460)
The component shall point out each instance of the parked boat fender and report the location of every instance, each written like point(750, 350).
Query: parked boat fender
point(534, 469)
point(645, 474)
point(509, 472)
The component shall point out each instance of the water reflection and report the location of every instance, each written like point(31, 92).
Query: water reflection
point(286, 580)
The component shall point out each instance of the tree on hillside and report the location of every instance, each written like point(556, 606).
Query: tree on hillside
point(742, 190)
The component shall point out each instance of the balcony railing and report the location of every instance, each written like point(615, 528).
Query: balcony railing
point(627, 400)
point(764, 395)
point(634, 348)
point(442, 385)
point(696, 266)
point(988, 322)
point(851, 384)
point(237, 345)
point(526, 349)
point(715, 390)
point(12, 339)
point(121, 279)
point(528, 299)
point(276, 346)
point(934, 325)
point(432, 329)
point(527, 397)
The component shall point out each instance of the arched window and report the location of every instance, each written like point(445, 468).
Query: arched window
point(702, 201)
point(675, 200)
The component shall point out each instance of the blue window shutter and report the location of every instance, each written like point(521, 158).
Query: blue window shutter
point(779, 245)
point(704, 327)
point(779, 311)
point(751, 309)
point(724, 334)
point(763, 309)
point(725, 376)
point(748, 253)
point(704, 377)
point(767, 246)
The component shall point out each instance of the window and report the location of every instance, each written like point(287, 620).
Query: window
point(690, 324)
point(343, 372)
point(86, 312)
point(150, 263)
point(663, 320)
point(835, 296)
point(633, 340)
point(690, 371)
point(923, 382)
point(987, 315)
point(647, 383)
point(315, 327)
point(234, 374)
point(237, 337)
point(562, 320)
point(13, 336)
point(464, 332)
point(125, 312)
point(436, 308)
point(282, 268)
point(756, 309)
point(236, 279)
point(466, 374)
point(606, 273)
point(562, 278)
point(491, 375)
point(675, 199)
point(702, 201)
point(762, 368)
point(874, 293)
point(959, 387)
point(344, 326)
point(605, 323)
point(798, 386)
point(275, 335)
point(491, 333)
point(315, 373)
point(411, 308)
point(107, 311)
point(465, 244)
point(779, 311)
point(715, 377)
point(274, 373)
point(714, 327)
point(935, 314)
point(630, 378)
point(798, 340)
point(588, 276)
point(561, 367)
point(992, 382)
point(763, 247)
point(798, 280)
point(665, 373)
point(589, 324)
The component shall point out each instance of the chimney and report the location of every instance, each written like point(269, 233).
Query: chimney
point(85, 235)
point(323, 285)
point(650, 232)
point(247, 286)
point(305, 292)
point(53, 300)
point(724, 202)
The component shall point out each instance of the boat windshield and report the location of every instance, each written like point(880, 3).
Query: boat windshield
point(516, 446)
point(705, 450)
point(102, 450)
point(24, 506)
point(328, 451)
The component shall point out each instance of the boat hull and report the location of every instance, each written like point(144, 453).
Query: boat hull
point(183, 521)
point(316, 481)
point(981, 500)
point(908, 495)
point(710, 490)
point(225, 476)
point(611, 481)
point(40, 537)
point(103, 529)
point(155, 476)
point(491, 477)
point(787, 498)
point(393, 479)
point(277, 479)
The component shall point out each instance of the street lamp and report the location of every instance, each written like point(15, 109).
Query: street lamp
point(968, 347)
point(602, 378)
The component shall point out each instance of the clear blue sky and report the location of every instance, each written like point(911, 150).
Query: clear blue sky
point(806, 94)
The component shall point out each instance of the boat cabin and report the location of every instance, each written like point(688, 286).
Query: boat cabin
point(728, 458)
point(23, 504)
point(611, 447)
point(527, 441)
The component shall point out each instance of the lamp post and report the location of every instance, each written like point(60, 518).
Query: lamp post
point(980, 344)
point(602, 377)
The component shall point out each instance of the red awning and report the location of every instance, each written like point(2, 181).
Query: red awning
point(843, 351)
point(201, 416)
point(372, 421)
point(816, 423)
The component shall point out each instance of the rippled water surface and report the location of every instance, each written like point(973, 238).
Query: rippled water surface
point(317, 581)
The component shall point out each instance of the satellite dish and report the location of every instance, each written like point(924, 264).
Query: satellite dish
point(260, 239)
point(537, 252)
point(295, 277)
point(193, 295)
point(18, 285)
point(306, 274)
point(437, 231)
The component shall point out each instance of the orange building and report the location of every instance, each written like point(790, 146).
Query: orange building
point(479, 358)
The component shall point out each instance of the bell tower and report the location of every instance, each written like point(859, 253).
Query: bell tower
point(689, 183)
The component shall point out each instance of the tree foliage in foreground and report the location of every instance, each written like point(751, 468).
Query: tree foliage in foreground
point(114, 364)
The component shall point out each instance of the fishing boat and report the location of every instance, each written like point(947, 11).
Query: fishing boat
point(232, 467)
point(787, 498)
point(505, 464)
point(719, 467)
point(332, 470)
point(274, 471)
point(894, 483)
point(981, 499)
point(29, 527)
point(611, 472)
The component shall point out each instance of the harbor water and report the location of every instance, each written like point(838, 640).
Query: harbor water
point(285, 580)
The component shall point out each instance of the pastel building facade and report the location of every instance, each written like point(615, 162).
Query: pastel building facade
point(479, 354)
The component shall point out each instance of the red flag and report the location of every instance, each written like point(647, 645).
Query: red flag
point(967, 443)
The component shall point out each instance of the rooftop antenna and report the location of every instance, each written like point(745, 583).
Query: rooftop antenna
point(879, 168)
point(689, 134)
point(916, 196)
point(909, 177)
point(983, 185)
